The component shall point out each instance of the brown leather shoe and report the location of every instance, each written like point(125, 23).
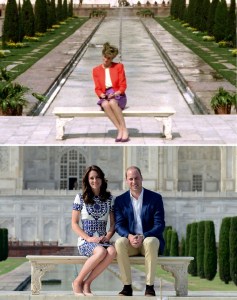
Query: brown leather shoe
point(150, 292)
point(126, 291)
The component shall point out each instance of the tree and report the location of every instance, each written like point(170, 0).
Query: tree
point(181, 9)
point(210, 251)
point(168, 245)
point(28, 18)
point(231, 24)
point(166, 250)
point(221, 14)
point(64, 9)
point(200, 249)
point(21, 29)
point(185, 16)
point(172, 8)
point(1, 244)
point(192, 268)
point(11, 23)
point(174, 247)
point(192, 12)
point(211, 16)
point(204, 15)
point(224, 251)
point(233, 249)
point(59, 11)
point(40, 16)
point(198, 14)
point(176, 9)
point(70, 8)
point(52, 19)
point(5, 244)
point(182, 247)
point(188, 231)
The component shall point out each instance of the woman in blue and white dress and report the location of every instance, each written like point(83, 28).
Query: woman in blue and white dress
point(93, 208)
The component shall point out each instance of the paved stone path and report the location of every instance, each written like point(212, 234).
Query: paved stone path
point(13, 280)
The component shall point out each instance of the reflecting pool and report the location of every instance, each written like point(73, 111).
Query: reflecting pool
point(67, 273)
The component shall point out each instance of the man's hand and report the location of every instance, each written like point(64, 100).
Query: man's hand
point(135, 240)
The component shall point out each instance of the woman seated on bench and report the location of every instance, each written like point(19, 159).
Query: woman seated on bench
point(94, 206)
point(110, 85)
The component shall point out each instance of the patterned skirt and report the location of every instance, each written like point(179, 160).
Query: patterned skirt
point(86, 249)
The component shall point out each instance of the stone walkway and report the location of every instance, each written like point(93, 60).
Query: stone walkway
point(15, 279)
point(188, 129)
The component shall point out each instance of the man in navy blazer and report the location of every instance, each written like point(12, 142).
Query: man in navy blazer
point(139, 220)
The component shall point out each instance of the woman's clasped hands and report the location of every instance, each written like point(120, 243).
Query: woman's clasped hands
point(110, 96)
point(98, 239)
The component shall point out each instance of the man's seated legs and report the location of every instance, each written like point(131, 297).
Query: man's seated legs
point(124, 250)
point(150, 250)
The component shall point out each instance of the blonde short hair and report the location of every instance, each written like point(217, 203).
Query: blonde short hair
point(109, 50)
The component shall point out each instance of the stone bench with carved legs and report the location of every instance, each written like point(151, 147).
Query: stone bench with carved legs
point(177, 266)
point(65, 114)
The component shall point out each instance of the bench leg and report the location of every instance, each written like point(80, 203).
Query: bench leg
point(60, 127)
point(180, 274)
point(166, 127)
point(37, 271)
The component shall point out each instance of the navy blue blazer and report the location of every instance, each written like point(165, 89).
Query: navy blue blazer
point(153, 222)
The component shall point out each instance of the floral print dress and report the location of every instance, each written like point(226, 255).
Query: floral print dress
point(94, 219)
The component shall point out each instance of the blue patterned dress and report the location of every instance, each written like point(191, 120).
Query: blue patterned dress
point(94, 218)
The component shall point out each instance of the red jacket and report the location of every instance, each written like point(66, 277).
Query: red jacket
point(117, 75)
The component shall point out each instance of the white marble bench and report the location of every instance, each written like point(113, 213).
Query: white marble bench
point(65, 114)
point(178, 266)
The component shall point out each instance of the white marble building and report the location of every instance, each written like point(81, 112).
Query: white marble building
point(37, 184)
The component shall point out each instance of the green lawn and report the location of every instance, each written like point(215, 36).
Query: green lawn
point(21, 59)
point(210, 52)
point(195, 283)
point(10, 264)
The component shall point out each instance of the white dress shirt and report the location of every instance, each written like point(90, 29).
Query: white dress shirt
point(137, 210)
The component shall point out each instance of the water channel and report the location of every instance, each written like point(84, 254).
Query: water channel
point(60, 279)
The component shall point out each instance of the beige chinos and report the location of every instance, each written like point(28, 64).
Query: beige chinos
point(149, 250)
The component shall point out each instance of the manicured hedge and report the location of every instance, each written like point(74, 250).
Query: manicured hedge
point(167, 242)
point(3, 244)
point(224, 250)
point(210, 251)
point(192, 268)
point(233, 249)
point(174, 247)
point(200, 249)
point(188, 232)
point(182, 247)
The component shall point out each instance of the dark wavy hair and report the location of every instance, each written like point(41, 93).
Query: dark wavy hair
point(87, 192)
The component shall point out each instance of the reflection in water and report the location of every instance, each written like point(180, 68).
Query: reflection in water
point(67, 273)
